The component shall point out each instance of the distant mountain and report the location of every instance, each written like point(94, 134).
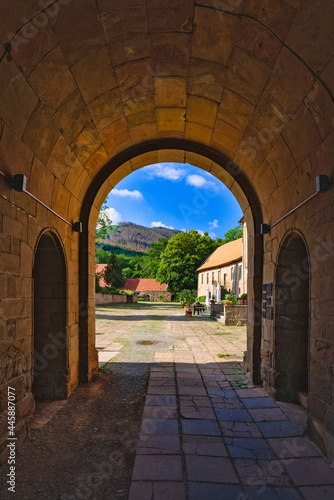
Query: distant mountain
point(135, 237)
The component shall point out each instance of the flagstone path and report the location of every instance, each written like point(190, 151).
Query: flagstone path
point(206, 432)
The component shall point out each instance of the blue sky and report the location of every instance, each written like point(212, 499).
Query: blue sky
point(175, 195)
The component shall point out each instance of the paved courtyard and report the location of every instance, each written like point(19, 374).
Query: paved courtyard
point(206, 432)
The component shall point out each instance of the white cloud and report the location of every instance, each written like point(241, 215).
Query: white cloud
point(200, 232)
point(214, 224)
point(166, 171)
point(212, 235)
point(160, 224)
point(125, 193)
point(115, 216)
point(199, 181)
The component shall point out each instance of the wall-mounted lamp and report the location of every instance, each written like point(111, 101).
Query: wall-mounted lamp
point(77, 227)
point(19, 182)
point(264, 229)
point(323, 183)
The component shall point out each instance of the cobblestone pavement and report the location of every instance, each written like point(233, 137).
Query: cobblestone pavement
point(207, 433)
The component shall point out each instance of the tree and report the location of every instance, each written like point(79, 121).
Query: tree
point(184, 253)
point(113, 274)
point(103, 222)
point(151, 260)
point(232, 234)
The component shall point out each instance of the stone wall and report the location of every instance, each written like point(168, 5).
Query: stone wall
point(105, 298)
point(234, 315)
point(155, 295)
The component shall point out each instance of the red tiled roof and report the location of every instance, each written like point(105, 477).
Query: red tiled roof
point(144, 285)
point(135, 284)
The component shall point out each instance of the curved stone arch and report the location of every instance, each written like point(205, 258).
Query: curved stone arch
point(174, 150)
point(292, 318)
point(54, 234)
point(50, 345)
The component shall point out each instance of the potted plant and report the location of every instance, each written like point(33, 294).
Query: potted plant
point(189, 298)
point(230, 300)
point(243, 298)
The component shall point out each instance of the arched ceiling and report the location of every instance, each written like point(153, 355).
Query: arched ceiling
point(83, 80)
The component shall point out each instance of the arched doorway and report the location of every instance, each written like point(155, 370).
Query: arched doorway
point(50, 342)
point(153, 152)
point(292, 321)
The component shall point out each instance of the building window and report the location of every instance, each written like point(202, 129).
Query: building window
point(202, 277)
point(207, 278)
point(213, 276)
point(232, 273)
point(225, 279)
point(219, 277)
point(240, 272)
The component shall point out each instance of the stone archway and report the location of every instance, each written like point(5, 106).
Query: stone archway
point(145, 154)
point(292, 321)
point(50, 344)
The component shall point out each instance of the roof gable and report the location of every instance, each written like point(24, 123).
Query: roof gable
point(223, 255)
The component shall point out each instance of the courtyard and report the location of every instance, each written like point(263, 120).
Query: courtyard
point(170, 414)
point(206, 431)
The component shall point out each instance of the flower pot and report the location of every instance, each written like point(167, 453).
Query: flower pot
point(188, 311)
point(241, 301)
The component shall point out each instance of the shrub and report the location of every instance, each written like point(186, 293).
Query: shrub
point(140, 299)
point(230, 299)
point(202, 298)
point(244, 296)
point(126, 292)
point(188, 297)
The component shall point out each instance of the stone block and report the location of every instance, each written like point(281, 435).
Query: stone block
point(170, 92)
point(127, 34)
point(171, 17)
point(115, 135)
point(106, 109)
point(258, 40)
point(301, 134)
point(214, 35)
point(321, 108)
point(94, 74)
point(170, 53)
point(206, 79)
point(78, 29)
point(17, 98)
point(201, 111)
point(41, 133)
point(247, 75)
point(32, 42)
point(72, 116)
point(52, 92)
point(311, 23)
point(276, 15)
point(235, 110)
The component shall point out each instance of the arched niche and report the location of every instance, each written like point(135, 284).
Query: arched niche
point(49, 356)
point(292, 320)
